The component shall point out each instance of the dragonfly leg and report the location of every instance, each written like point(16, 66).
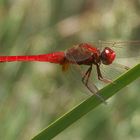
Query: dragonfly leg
point(86, 76)
point(85, 80)
point(100, 77)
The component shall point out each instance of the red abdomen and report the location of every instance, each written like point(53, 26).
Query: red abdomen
point(56, 57)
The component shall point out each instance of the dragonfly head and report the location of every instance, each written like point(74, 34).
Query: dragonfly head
point(107, 56)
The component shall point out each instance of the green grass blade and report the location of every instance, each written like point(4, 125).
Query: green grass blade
point(76, 113)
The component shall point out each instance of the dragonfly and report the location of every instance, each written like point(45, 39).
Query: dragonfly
point(81, 54)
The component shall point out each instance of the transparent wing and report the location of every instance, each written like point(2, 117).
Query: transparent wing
point(124, 49)
point(78, 53)
point(78, 72)
point(112, 71)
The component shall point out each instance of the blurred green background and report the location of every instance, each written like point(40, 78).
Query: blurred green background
point(32, 95)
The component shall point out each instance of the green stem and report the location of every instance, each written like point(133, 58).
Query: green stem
point(77, 112)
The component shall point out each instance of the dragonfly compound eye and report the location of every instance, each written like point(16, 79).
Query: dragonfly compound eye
point(107, 56)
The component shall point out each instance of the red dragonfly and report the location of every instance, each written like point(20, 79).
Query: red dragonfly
point(82, 54)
